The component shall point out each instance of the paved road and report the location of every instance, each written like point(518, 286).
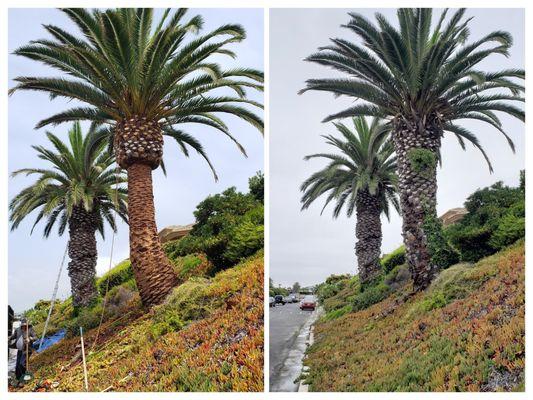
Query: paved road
point(288, 332)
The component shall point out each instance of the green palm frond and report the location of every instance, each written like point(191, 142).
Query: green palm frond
point(83, 175)
point(126, 64)
point(365, 162)
point(421, 69)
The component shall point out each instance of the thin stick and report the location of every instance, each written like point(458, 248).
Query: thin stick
point(27, 346)
point(83, 359)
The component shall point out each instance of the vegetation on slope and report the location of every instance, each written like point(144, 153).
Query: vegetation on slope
point(206, 336)
point(465, 333)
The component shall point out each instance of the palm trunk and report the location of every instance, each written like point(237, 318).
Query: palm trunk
point(82, 252)
point(154, 274)
point(139, 149)
point(417, 182)
point(368, 233)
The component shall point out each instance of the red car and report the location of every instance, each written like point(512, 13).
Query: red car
point(308, 303)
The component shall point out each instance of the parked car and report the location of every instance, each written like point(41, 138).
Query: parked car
point(279, 299)
point(293, 298)
point(308, 303)
point(271, 301)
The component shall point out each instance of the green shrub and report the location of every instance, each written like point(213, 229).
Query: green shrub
point(442, 254)
point(371, 295)
point(471, 241)
point(170, 324)
point(120, 274)
point(188, 302)
point(509, 230)
point(245, 241)
point(393, 259)
point(87, 317)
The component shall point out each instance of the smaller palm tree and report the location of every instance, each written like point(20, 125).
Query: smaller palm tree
point(82, 191)
point(362, 178)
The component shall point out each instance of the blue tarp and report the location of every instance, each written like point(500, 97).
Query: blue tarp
point(50, 340)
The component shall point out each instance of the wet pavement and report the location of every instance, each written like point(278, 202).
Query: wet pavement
point(289, 330)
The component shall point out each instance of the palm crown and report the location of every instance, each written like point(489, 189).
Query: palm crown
point(124, 67)
point(82, 176)
point(420, 74)
point(365, 163)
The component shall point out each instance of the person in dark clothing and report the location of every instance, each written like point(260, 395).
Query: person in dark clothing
point(22, 339)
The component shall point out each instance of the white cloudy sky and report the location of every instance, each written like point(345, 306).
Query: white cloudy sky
point(305, 246)
point(34, 261)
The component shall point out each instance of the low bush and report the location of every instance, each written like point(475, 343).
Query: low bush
point(121, 273)
point(393, 259)
point(195, 264)
point(510, 229)
point(471, 241)
point(370, 296)
point(443, 255)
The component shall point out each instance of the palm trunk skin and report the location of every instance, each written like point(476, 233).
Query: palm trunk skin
point(368, 233)
point(82, 252)
point(418, 196)
point(139, 148)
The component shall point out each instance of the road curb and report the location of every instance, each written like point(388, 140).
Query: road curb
point(303, 387)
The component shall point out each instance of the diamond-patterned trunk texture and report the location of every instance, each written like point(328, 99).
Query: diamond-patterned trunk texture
point(154, 274)
point(138, 140)
point(418, 196)
point(82, 252)
point(368, 233)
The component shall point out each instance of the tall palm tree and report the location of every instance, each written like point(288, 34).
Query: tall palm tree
point(361, 178)
point(423, 80)
point(142, 82)
point(81, 191)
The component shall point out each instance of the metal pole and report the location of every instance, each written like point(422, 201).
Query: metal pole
point(54, 295)
point(83, 359)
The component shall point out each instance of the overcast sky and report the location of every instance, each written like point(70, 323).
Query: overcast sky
point(305, 246)
point(34, 261)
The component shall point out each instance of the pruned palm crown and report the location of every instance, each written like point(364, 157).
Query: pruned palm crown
point(125, 68)
point(416, 74)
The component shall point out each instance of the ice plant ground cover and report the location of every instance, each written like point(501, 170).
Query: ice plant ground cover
point(207, 336)
point(465, 333)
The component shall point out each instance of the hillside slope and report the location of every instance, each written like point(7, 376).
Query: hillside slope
point(465, 333)
point(207, 336)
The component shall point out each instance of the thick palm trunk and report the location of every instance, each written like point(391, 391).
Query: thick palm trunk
point(139, 148)
point(418, 194)
point(368, 233)
point(82, 252)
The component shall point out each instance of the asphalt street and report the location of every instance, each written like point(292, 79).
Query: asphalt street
point(288, 331)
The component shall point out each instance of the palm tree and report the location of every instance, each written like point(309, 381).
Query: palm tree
point(142, 82)
point(422, 81)
point(82, 191)
point(361, 178)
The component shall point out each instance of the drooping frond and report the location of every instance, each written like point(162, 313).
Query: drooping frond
point(421, 68)
point(82, 174)
point(125, 64)
point(365, 162)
